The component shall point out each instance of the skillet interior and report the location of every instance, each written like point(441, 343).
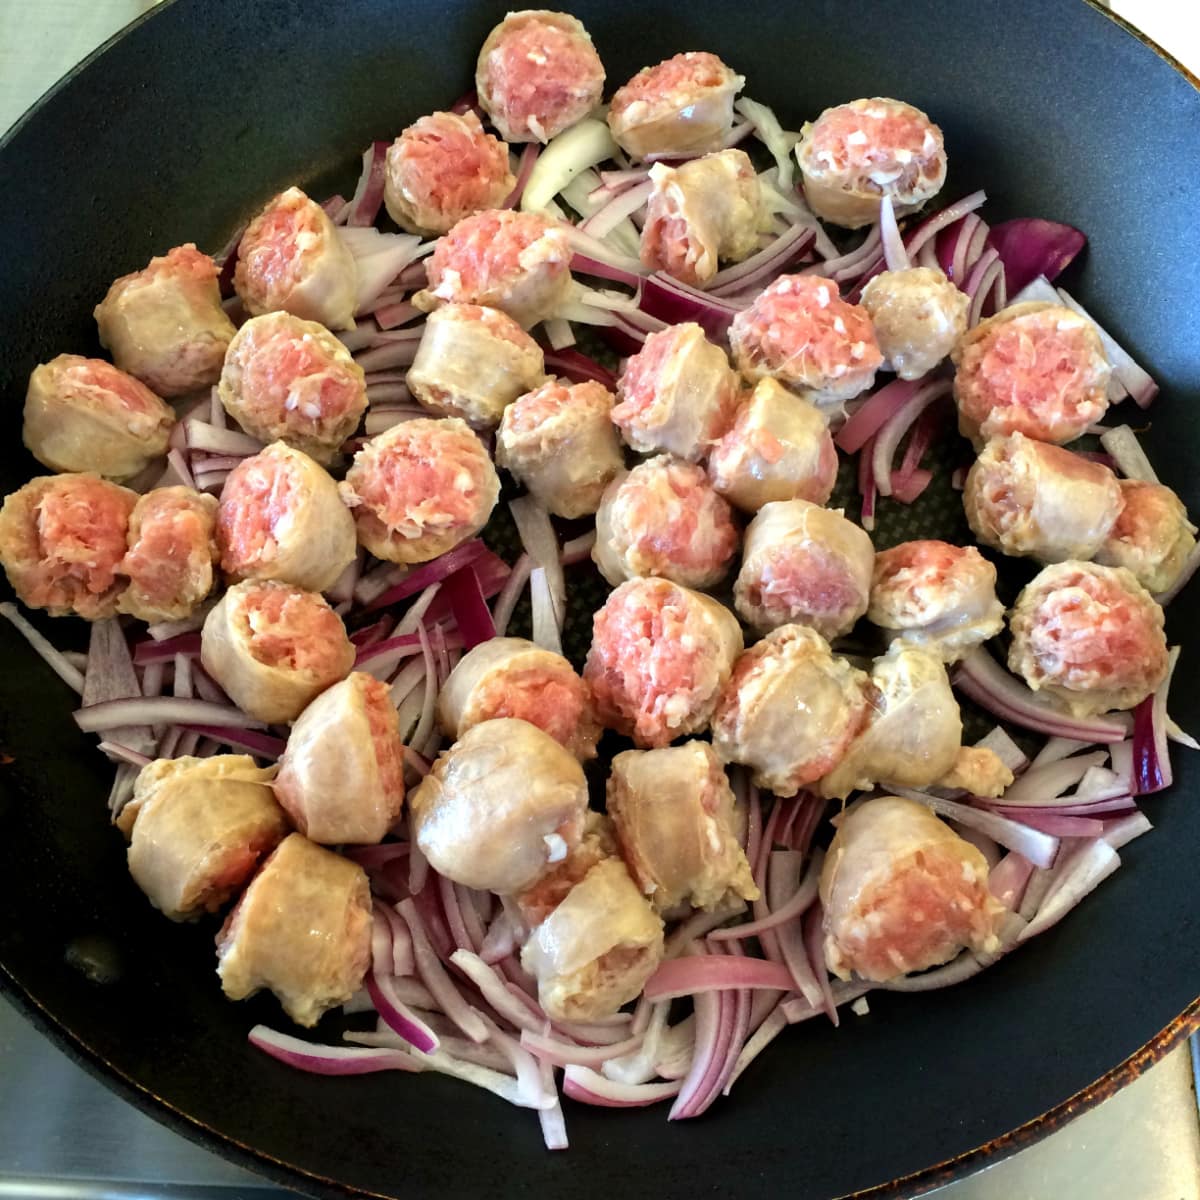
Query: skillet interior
point(191, 120)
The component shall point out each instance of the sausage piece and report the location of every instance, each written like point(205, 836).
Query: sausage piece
point(302, 929)
point(197, 828)
point(82, 414)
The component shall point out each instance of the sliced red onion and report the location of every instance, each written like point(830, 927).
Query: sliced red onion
point(425, 723)
point(803, 894)
point(891, 433)
point(400, 312)
point(754, 273)
point(671, 301)
point(1055, 749)
point(588, 1087)
point(623, 205)
point(119, 753)
point(261, 745)
point(495, 991)
point(541, 544)
point(1048, 781)
point(1007, 879)
point(368, 195)
point(850, 265)
point(932, 226)
point(397, 1015)
point(981, 678)
point(1086, 866)
point(1119, 833)
point(1121, 442)
point(768, 1030)
point(639, 1065)
point(545, 619)
point(70, 675)
point(563, 1054)
point(203, 436)
point(373, 583)
point(177, 471)
point(161, 710)
point(1030, 246)
point(1056, 824)
point(433, 976)
point(894, 252)
point(559, 333)
point(529, 157)
point(111, 678)
point(814, 945)
point(470, 610)
point(714, 1027)
point(586, 264)
point(699, 925)
point(699, 974)
point(330, 1060)
point(1039, 848)
point(507, 600)
point(372, 857)
point(388, 355)
point(866, 484)
point(986, 277)
point(878, 409)
point(427, 574)
point(579, 368)
point(524, 1066)
point(455, 918)
point(1004, 748)
point(554, 1126)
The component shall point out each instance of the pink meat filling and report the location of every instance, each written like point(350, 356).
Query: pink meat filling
point(644, 666)
point(553, 701)
point(292, 629)
point(256, 498)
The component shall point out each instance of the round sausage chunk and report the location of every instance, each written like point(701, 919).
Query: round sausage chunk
point(289, 380)
point(165, 325)
point(800, 332)
point(914, 733)
point(1089, 636)
point(62, 539)
point(281, 517)
point(598, 843)
point(778, 448)
point(1034, 368)
point(274, 648)
point(560, 442)
point(1152, 536)
point(855, 153)
point(677, 394)
point(291, 259)
point(197, 828)
point(302, 929)
point(933, 594)
point(172, 548)
point(596, 950)
point(443, 168)
point(1027, 498)
point(659, 658)
point(700, 214)
point(511, 677)
point(516, 261)
point(500, 807)
point(919, 316)
point(681, 107)
point(419, 489)
point(806, 565)
point(790, 671)
point(677, 823)
point(664, 518)
point(473, 362)
point(538, 74)
point(341, 778)
point(902, 892)
point(82, 414)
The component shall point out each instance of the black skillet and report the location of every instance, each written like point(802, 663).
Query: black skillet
point(192, 118)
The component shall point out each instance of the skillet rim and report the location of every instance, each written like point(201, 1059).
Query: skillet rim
point(291, 1176)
